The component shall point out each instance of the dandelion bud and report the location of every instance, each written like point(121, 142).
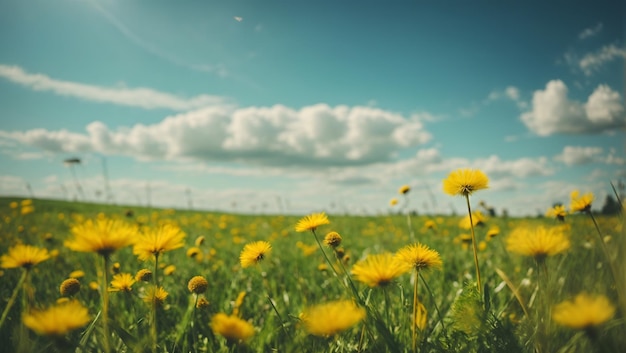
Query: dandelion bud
point(69, 287)
point(198, 285)
point(332, 239)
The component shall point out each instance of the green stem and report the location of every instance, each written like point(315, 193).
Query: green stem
point(432, 297)
point(105, 304)
point(11, 302)
point(414, 318)
point(153, 323)
point(469, 210)
point(387, 305)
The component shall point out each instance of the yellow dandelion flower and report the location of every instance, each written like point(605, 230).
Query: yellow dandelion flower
point(464, 182)
point(193, 252)
point(379, 270)
point(143, 275)
point(77, 274)
point(155, 241)
point(584, 311)
point(493, 232)
point(231, 327)
point(199, 240)
point(13, 204)
point(122, 282)
point(168, 270)
point(421, 319)
point(69, 287)
point(322, 267)
point(254, 252)
point(27, 210)
point(332, 239)
point(430, 224)
point(94, 286)
point(198, 285)
point(25, 256)
point(116, 267)
point(331, 318)
point(558, 212)
point(538, 242)
point(57, 320)
point(307, 250)
point(478, 219)
point(311, 222)
point(404, 189)
point(103, 236)
point(419, 257)
point(26, 202)
point(393, 202)
point(155, 296)
point(239, 302)
point(580, 203)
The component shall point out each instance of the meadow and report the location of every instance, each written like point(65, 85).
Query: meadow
point(267, 299)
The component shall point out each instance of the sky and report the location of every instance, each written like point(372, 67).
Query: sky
point(301, 106)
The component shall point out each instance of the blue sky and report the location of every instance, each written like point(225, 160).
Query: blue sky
point(295, 106)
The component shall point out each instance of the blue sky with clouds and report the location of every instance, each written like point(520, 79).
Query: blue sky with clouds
point(294, 106)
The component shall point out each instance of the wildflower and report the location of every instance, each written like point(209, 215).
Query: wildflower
point(393, 202)
point(558, 212)
point(421, 318)
point(464, 182)
point(94, 286)
point(331, 318)
point(198, 285)
point(202, 303)
point(199, 240)
point(103, 236)
point(155, 241)
point(311, 222)
point(580, 203)
point(194, 252)
point(231, 327)
point(307, 250)
point(430, 224)
point(583, 312)
point(57, 320)
point(539, 242)
point(116, 267)
point(378, 270)
point(77, 274)
point(168, 270)
point(27, 210)
point(13, 204)
point(404, 189)
point(239, 302)
point(155, 296)
point(478, 219)
point(322, 267)
point(332, 239)
point(493, 232)
point(122, 282)
point(253, 253)
point(143, 275)
point(419, 257)
point(69, 287)
point(25, 256)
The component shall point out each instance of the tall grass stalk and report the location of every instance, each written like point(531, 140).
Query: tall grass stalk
point(153, 322)
point(105, 304)
point(474, 248)
point(20, 284)
point(414, 316)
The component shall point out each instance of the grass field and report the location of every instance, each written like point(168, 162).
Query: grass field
point(511, 311)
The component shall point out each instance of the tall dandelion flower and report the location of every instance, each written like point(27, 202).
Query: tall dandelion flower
point(331, 318)
point(312, 222)
point(122, 282)
point(231, 327)
point(253, 253)
point(25, 256)
point(378, 270)
point(404, 189)
point(57, 320)
point(103, 236)
point(583, 312)
point(558, 212)
point(539, 242)
point(393, 202)
point(198, 285)
point(155, 296)
point(477, 219)
point(464, 182)
point(155, 241)
point(580, 203)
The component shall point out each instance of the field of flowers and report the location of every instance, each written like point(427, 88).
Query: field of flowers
point(101, 278)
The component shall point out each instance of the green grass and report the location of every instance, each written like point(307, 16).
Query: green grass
point(293, 281)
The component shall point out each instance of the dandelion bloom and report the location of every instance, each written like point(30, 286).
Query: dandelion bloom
point(430, 224)
point(311, 222)
point(580, 203)
point(198, 285)
point(331, 318)
point(155, 241)
point(69, 287)
point(464, 182)
point(493, 232)
point(378, 270)
point(419, 257)
point(143, 275)
point(155, 296)
point(122, 282)
point(404, 189)
point(332, 239)
point(168, 270)
point(254, 252)
point(393, 202)
point(538, 242)
point(231, 327)
point(103, 236)
point(194, 252)
point(77, 274)
point(558, 212)
point(477, 219)
point(25, 256)
point(583, 312)
point(57, 320)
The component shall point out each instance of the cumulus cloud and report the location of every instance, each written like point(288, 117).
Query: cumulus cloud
point(591, 31)
point(277, 135)
point(145, 98)
point(576, 155)
point(554, 113)
point(592, 62)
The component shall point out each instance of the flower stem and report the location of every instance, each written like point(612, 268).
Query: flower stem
point(153, 323)
point(105, 304)
point(18, 286)
point(469, 210)
point(414, 317)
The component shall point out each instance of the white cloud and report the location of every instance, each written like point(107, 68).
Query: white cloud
point(277, 135)
point(576, 155)
point(511, 93)
point(553, 112)
point(591, 31)
point(592, 62)
point(145, 98)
